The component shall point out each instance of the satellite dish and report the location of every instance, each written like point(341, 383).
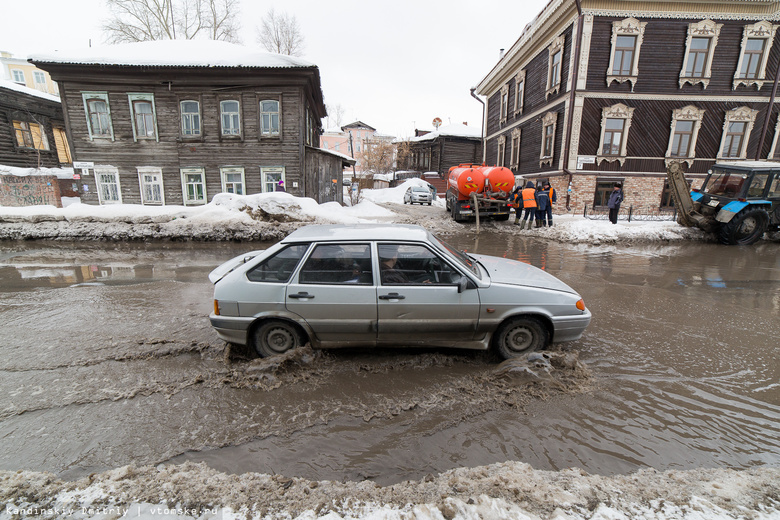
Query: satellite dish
point(436, 122)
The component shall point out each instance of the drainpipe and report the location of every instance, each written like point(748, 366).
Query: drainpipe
point(572, 93)
point(482, 125)
point(768, 114)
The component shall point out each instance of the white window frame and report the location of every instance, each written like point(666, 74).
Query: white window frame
point(151, 177)
point(39, 80)
point(761, 30)
point(101, 96)
point(687, 113)
point(271, 175)
point(500, 150)
point(554, 76)
point(503, 101)
point(149, 98)
point(519, 92)
point(264, 132)
point(18, 76)
point(627, 27)
point(222, 133)
point(738, 115)
point(616, 111)
point(550, 119)
point(190, 115)
point(772, 150)
point(704, 29)
point(514, 157)
point(231, 170)
point(108, 171)
point(188, 201)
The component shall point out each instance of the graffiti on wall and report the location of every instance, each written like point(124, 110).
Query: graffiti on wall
point(29, 191)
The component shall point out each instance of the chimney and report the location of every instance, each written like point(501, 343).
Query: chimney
point(500, 54)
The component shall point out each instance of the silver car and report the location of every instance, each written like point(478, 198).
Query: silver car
point(419, 195)
point(388, 285)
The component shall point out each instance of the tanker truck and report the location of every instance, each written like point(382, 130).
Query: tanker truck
point(479, 190)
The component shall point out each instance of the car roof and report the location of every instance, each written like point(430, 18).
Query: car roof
point(748, 165)
point(350, 232)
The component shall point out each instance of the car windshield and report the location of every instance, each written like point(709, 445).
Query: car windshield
point(463, 259)
point(419, 189)
point(724, 183)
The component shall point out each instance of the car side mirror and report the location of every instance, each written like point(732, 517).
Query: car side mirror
point(463, 284)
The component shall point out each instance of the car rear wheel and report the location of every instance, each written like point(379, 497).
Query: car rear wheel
point(276, 337)
point(519, 336)
point(745, 228)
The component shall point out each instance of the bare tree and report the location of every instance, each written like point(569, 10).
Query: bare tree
point(377, 156)
point(280, 33)
point(335, 112)
point(146, 20)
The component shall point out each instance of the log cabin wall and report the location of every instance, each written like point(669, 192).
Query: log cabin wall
point(170, 151)
point(29, 108)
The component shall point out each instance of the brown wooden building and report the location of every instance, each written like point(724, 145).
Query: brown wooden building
point(176, 122)
point(439, 150)
point(597, 92)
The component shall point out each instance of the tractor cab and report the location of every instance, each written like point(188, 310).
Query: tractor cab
point(743, 198)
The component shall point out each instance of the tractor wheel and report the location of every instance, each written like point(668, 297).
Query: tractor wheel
point(745, 228)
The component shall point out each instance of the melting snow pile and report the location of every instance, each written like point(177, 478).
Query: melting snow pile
point(507, 490)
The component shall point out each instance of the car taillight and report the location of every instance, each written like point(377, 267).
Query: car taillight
point(216, 307)
point(581, 305)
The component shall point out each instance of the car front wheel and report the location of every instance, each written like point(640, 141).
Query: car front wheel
point(520, 336)
point(276, 337)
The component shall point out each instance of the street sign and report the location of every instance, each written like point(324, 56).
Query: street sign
point(80, 165)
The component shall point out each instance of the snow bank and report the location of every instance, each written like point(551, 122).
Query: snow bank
point(506, 490)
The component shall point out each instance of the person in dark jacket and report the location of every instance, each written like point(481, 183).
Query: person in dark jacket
point(615, 198)
point(280, 186)
point(551, 197)
point(529, 204)
point(542, 202)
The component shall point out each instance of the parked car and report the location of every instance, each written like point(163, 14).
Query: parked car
point(419, 195)
point(388, 285)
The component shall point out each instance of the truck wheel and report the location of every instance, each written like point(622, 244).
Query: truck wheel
point(520, 336)
point(276, 337)
point(745, 228)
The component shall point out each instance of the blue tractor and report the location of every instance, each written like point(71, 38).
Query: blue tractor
point(739, 201)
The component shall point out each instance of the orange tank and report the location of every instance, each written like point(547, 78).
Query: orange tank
point(499, 181)
point(466, 180)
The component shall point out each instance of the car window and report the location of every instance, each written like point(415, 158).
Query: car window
point(464, 259)
point(757, 184)
point(407, 264)
point(774, 191)
point(279, 267)
point(338, 264)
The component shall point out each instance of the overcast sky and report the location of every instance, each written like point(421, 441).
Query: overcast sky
point(395, 65)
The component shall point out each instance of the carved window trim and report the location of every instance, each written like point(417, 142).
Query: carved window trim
point(503, 101)
point(774, 141)
point(514, 157)
point(519, 91)
point(501, 150)
point(704, 29)
point(738, 115)
point(550, 120)
point(761, 30)
point(617, 111)
point(687, 113)
point(554, 73)
point(627, 27)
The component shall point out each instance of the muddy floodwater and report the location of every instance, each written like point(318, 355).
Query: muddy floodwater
point(107, 358)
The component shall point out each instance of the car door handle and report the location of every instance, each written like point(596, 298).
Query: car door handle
point(392, 296)
point(301, 295)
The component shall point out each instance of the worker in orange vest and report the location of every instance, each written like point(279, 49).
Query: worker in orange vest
point(529, 204)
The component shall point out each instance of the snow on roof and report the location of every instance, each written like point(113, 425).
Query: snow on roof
point(4, 83)
point(451, 131)
point(60, 173)
point(173, 53)
point(338, 154)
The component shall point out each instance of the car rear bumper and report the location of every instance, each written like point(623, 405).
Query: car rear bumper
point(570, 328)
point(230, 328)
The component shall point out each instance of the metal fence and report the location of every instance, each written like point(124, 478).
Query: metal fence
point(638, 213)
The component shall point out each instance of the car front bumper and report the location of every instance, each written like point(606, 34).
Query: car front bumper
point(570, 328)
point(230, 328)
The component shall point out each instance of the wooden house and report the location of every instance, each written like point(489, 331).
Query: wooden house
point(596, 92)
point(441, 149)
point(176, 122)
